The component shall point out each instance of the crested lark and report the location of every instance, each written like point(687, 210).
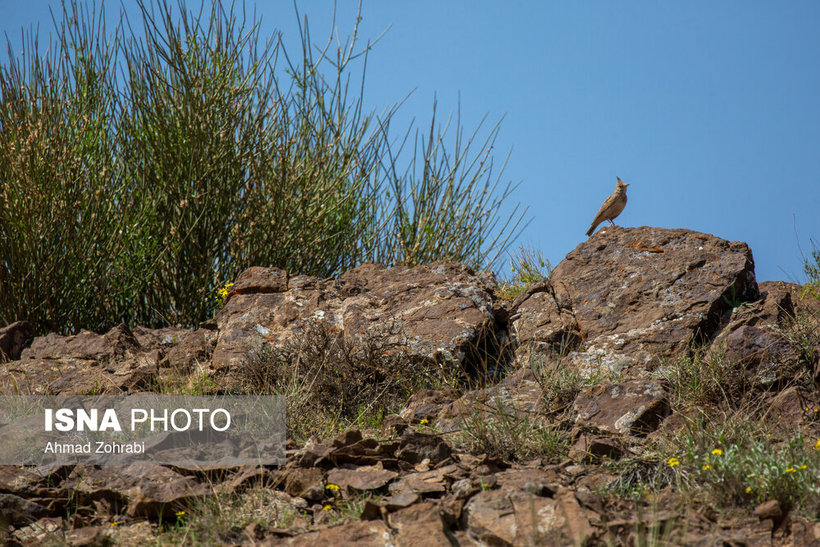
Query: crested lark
point(612, 207)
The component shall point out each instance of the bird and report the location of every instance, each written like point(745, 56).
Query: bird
point(612, 207)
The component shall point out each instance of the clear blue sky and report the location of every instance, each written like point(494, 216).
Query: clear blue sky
point(711, 110)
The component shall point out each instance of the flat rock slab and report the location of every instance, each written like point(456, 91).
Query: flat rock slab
point(367, 477)
point(434, 312)
point(505, 517)
point(635, 407)
point(633, 295)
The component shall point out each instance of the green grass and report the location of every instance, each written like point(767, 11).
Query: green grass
point(140, 175)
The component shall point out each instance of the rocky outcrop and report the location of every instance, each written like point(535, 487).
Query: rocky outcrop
point(610, 319)
point(437, 313)
point(629, 296)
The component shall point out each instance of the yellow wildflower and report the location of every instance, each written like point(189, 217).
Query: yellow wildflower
point(791, 470)
point(707, 467)
point(332, 487)
point(801, 467)
point(326, 508)
point(717, 452)
point(673, 462)
point(749, 490)
point(180, 513)
point(817, 445)
point(424, 421)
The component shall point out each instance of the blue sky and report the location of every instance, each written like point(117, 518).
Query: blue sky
point(711, 110)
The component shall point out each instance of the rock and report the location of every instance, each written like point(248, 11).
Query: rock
point(193, 348)
point(519, 395)
point(38, 533)
point(436, 313)
point(361, 478)
point(426, 404)
point(419, 526)
point(305, 483)
point(13, 339)
point(595, 448)
point(426, 482)
point(144, 490)
point(401, 500)
point(769, 510)
point(89, 536)
point(502, 517)
point(88, 346)
point(69, 376)
point(636, 294)
point(19, 512)
point(352, 534)
point(794, 407)
point(635, 407)
point(417, 447)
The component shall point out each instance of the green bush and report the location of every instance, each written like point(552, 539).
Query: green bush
point(139, 175)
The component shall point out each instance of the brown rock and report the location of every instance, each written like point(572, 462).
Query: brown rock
point(89, 346)
point(419, 526)
point(13, 339)
point(770, 510)
point(76, 377)
point(794, 407)
point(519, 395)
point(635, 407)
point(439, 310)
point(401, 500)
point(361, 478)
point(144, 490)
point(426, 404)
point(636, 294)
point(352, 534)
point(305, 483)
point(193, 348)
point(594, 448)
point(502, 517)
point(417, 447)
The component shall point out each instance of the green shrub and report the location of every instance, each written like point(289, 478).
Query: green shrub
point(139, 175)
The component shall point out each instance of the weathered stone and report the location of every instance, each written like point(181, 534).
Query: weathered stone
point(519, 395)
point(13, 339)
point(19, 512)
point(635, 407)
point(426, 482)
point(637, 294)
point(361, 478)
point(88, 346)
point(594, 448)
point(794, 407)
point(426, 404)
point(305, 483)
point(352, 534)
point(439, 311)
point(417, 447)
point(419, 526)
point(76, 377)
point(502, 517)
point(145, 490)
point(194, 348)
point(401, 500)
point(769, 510)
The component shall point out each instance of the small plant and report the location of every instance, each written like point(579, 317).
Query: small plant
point(334, 380)
point(512, 435)
point(526, 266)
point(734, 461)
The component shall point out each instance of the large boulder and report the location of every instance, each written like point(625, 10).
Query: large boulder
point(628, 296)
point(437, 313)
